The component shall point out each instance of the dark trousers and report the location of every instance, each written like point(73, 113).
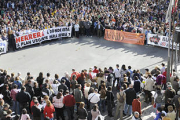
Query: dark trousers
point(70, 112)
point(88, 32)
point(77, 34)
point(109, 108)
point(87, 103)
point(60, 113)
point(147, 96)
point(99, 33)
point(36, 118)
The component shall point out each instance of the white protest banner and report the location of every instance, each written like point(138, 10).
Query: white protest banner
point(159, 40)
point(3, 46)
point(44, 35)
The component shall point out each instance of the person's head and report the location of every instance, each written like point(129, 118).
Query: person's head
point(62, 81)
point(17, 117)
point(48, 74)
point(6, 106)
point(95, 107)
point(6, 86)
point(138, 97)
point(109, 88)
point(81, 105)
point(170, 108)
point(73, 70)
point(24, 111)
point(130, 86)
point(28, 74)
point(46, 98)
point(23, 88)
point(159, 109)
point(41, 75)
point(117, 65)
point(34, 98)
point(123, 67)
point(19, 73)
point(12, 74)
point(147, 70)
point(48, 103)
point(163, 115)
point(46, 81)
point(129, 67)
point(9, 112)
point(163, 64)
point(74, 77)
point(149, 76)
point(136, 114)
point(56, 76)
point(122, 88)
point(176, 79)
point(36, 102)
point(67, 92)
point(96, 91)
point(59, 95)
point(169, 87)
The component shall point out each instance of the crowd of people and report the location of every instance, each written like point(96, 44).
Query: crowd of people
point(88, 94)
point(87, 17)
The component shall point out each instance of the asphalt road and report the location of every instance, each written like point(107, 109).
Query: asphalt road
point(58, 56)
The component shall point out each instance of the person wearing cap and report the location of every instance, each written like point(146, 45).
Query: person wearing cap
point(163, 68)
point(169, 93)
point(69, 102)
point(149, 83)
point(121, 98)
point(36, 111)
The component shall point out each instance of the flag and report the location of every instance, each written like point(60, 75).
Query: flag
point(171, 3)
point(175, 7)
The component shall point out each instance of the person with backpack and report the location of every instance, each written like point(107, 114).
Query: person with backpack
point(121, 98)
point(136, 105)
point(158, 98)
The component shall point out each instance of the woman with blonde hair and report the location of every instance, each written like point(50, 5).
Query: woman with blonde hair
point(49, 110)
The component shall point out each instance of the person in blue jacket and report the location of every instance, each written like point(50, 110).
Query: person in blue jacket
point(158, 116)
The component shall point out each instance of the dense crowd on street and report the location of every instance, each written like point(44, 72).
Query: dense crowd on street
point(88, 94)
point(87, 17)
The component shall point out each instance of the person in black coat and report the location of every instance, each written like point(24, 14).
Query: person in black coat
point(6, 94)
point(36, 111)
point(130, 96)
point(63, 86)
point(29, 89)
point(137, 85)
point(110, 101)
point(99, 29)
point(23, 103)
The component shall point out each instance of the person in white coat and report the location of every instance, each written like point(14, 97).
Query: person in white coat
point(76, 27)
point(149, 83)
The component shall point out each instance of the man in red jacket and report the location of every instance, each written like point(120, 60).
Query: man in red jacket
point(75, 73)
point(136, 105)
point(69, 102)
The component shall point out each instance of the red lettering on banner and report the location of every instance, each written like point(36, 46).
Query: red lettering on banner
point(22, 38)
point(30, 36)
point(26, 38)
point(42, 34)
point(18, 39)
point(38, 34)
point(34, 35)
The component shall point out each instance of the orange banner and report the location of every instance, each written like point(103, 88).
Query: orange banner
point(125, 37)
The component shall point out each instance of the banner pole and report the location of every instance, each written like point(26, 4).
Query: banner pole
point(168, 63)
